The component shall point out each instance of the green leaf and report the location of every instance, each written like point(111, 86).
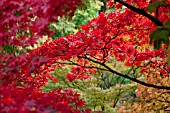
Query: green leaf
point(164, 1)
point(163, 35)
point(157, 44)
point(153, 35)
point(153, 6)
point(167, 24)
point(159, 35)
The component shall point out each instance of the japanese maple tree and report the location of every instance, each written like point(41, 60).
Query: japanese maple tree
point(136, 34)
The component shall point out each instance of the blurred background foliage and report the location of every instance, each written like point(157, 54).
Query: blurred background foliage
point(82, 16)
point(102, 91)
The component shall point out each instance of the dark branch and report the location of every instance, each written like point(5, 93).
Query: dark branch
point(142, 12)
point(136, 80)
point(126, 76)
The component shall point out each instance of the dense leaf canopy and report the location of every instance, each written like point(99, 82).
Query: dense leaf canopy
point(134, 36)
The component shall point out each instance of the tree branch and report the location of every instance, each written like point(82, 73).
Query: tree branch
point(141, 11)
point(126, 76)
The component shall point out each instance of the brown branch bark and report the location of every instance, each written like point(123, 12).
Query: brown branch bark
point(141, 12)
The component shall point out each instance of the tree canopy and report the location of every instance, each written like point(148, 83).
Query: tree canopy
point(96, 55)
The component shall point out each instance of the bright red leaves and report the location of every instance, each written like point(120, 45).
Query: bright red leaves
point(24, 99)
point(77, 73)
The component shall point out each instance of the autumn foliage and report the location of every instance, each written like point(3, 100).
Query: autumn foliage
point(129, 36)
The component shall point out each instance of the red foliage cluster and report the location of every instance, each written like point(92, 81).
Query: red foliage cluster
point(29, 19)
point(20, 99)
point(76, 73)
